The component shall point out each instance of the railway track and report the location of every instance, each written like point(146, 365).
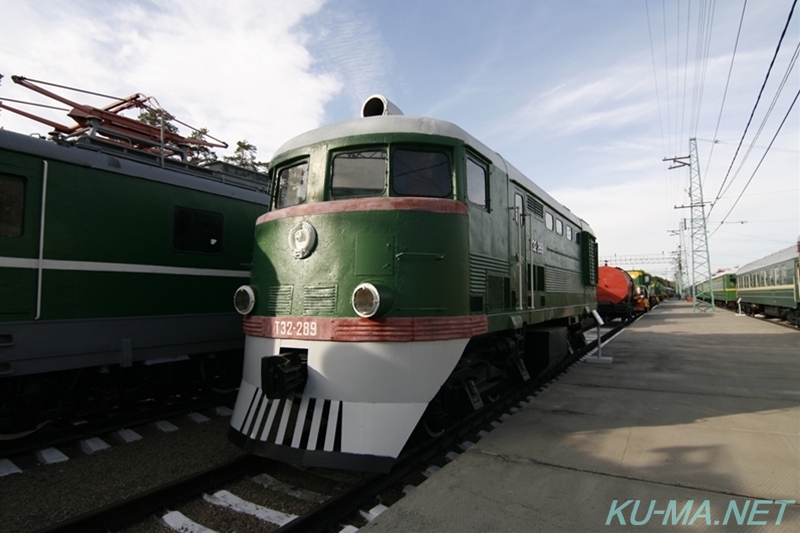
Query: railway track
point(347, 502)
point(82, 426)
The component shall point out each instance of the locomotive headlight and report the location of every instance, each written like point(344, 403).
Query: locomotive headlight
point(369, 301)
point(244, 300)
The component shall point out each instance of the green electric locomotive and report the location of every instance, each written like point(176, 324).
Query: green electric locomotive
point(116, 265)
point(404, 273)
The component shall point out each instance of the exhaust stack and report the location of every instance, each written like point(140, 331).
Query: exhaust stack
point(377, 105)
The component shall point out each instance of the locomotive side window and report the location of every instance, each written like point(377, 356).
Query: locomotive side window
point(292, 185)
point(476, 183)
point(358, 174)
point(548, 221)
point(569, 233)
point(421, 173)
point(197, 231)
point(559, 227)
point(12, 201)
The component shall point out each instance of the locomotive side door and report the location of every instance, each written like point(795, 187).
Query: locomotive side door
point(20, 203)
point(521, 239)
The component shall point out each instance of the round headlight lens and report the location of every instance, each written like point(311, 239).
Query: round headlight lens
point(366, 300)
point(244, 300)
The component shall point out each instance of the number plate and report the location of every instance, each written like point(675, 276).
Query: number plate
point(295, 328)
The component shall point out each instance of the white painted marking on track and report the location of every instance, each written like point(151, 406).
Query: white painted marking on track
point(7, 468)
point(451, 456)
point(50, 456)
point(431, 470)
point(198, 418)
point(223, 498)
point(373, 513)
point(94, 444)
point(126, 436)
point(165, 427)
point(177, 521)
point(271, 483)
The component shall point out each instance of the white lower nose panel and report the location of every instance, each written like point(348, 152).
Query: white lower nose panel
point(378, 428)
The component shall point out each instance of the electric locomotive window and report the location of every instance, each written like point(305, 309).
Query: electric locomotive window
point(12, 201)
point(197, 231)
point(292, 185)
point(358, 174)
point(548, 221)
point(421, 173)
point(559, 227)
point(476, 183)
point(569, 233)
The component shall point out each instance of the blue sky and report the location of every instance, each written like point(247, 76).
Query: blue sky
point(571, 93)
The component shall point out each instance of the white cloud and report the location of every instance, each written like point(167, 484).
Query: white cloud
point(346, 38)
point(598, 100)
point(239, 68)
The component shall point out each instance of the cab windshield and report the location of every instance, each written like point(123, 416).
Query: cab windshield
point(421, 173)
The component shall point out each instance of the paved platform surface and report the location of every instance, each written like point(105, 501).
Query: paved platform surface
point(695, 426)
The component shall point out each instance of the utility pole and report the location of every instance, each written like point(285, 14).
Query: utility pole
point(701, 260)
point(680, 261)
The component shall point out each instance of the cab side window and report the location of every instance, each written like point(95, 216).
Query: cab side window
point(12, 203)
point(477, 182)
point(292, 185)
point(197, 231)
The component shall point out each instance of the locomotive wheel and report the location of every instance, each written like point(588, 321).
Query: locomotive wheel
point(432, 429)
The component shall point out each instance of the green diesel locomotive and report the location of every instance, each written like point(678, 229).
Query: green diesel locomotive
point(404, 273)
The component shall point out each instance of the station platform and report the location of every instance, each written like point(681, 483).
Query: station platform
point(694, 426)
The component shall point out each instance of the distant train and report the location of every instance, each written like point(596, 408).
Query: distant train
point(116, 263)
point(723, 286)
point(769, 286)
point(623, 294)
point(404, 274)
point(616, 293)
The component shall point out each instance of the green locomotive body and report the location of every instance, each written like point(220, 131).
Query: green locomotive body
point(403, 267)
point(112, 257)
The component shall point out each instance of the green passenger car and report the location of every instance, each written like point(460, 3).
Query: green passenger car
point(771, 286)
point(724, 286)
point(405, 271)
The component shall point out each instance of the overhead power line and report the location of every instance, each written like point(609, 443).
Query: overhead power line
point(766, 116)
point(758, 99)
point(759, 163)
point(727, 82)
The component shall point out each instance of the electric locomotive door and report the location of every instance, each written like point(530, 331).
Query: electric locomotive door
point(20, 202)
